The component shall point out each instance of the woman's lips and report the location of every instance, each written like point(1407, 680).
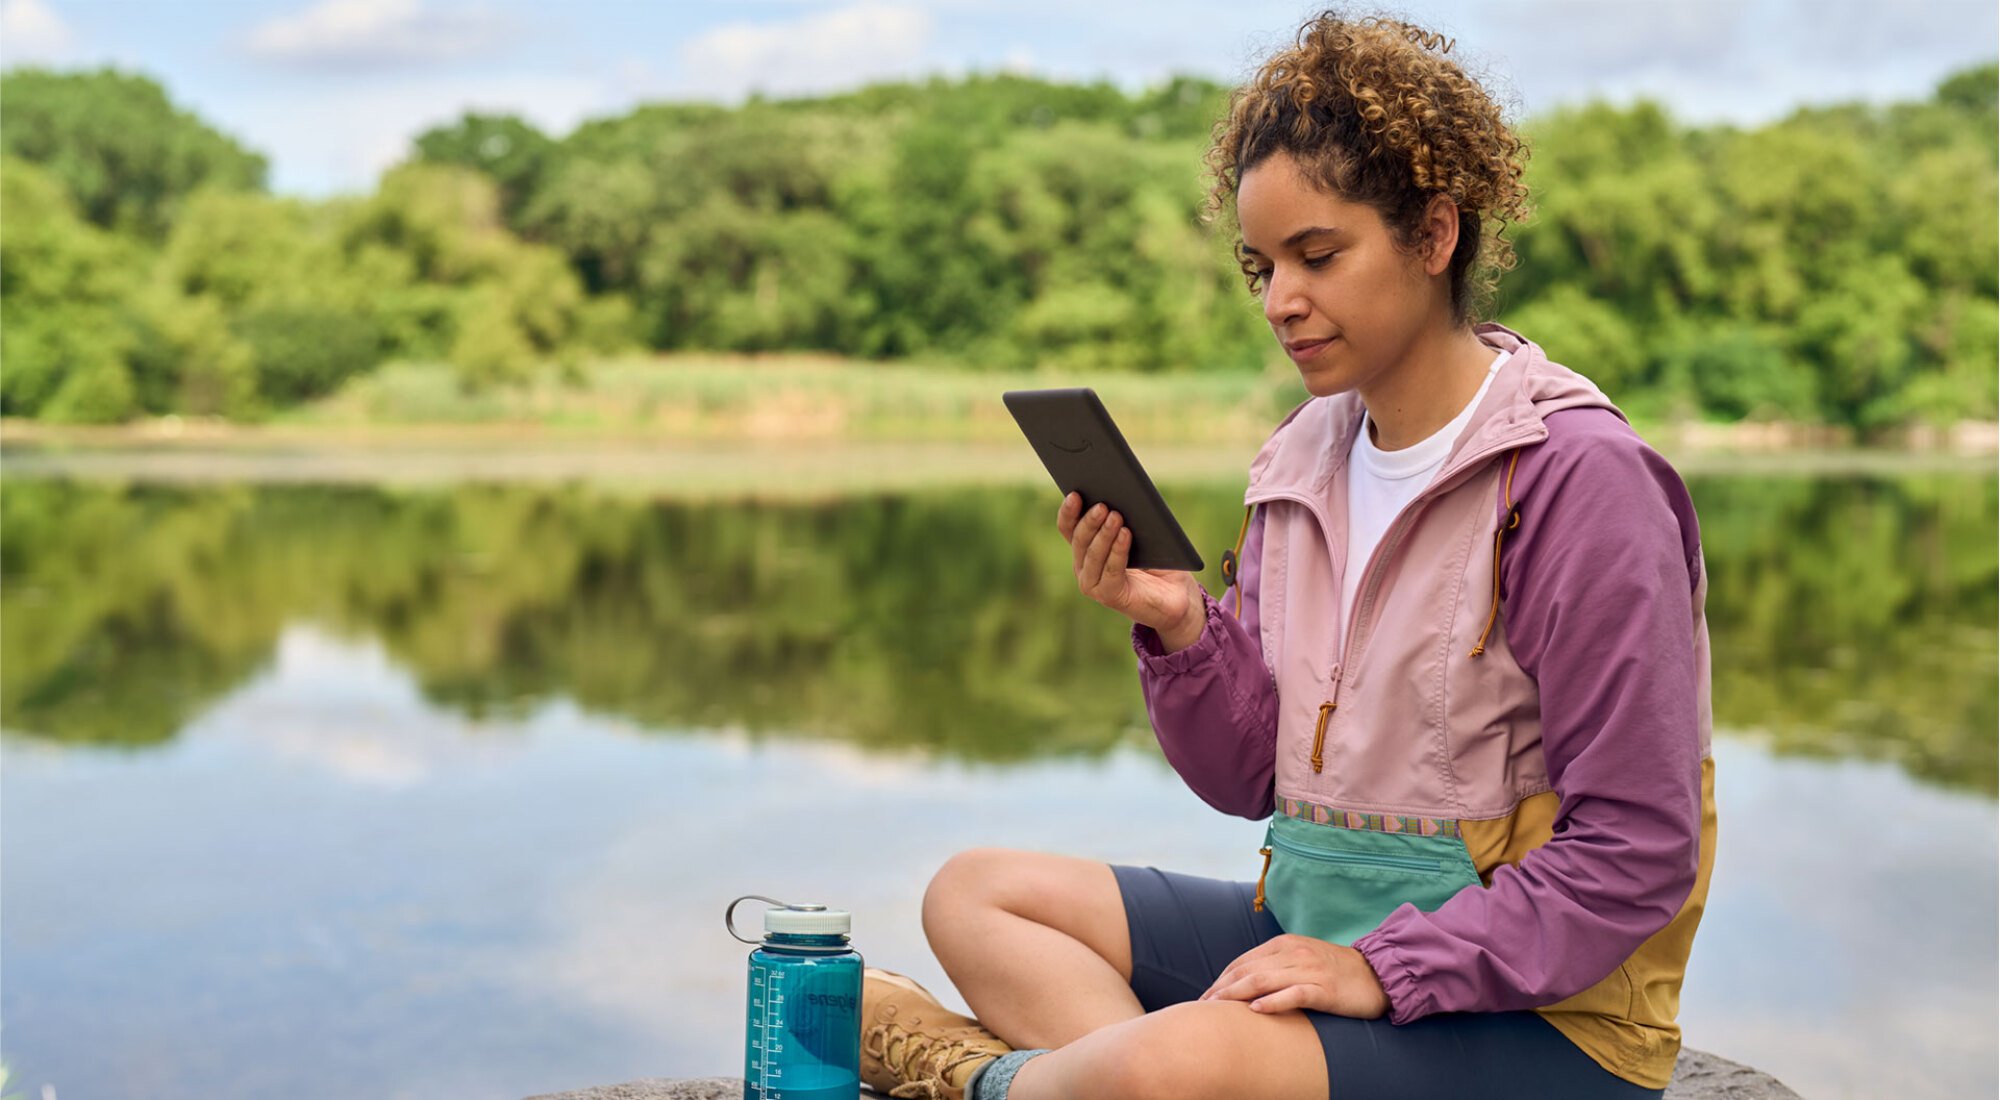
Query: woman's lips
point(1302, 352)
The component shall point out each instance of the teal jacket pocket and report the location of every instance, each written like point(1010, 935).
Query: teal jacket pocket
point(1338, 884)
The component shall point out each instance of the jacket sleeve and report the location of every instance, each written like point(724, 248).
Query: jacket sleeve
point(1214, 705)
point(1597, 604)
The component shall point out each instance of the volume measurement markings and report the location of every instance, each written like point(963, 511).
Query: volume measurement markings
point(772, 1021)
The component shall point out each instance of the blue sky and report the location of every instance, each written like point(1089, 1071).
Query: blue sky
point(332, 90)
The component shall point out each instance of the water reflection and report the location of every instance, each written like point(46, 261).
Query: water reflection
point(330, 886)
point(1850, 617)
point(1856, 617)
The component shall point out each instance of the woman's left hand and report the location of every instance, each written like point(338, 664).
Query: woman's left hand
point(1288, 972)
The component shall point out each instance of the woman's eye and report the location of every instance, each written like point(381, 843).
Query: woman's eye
point(1319, 261)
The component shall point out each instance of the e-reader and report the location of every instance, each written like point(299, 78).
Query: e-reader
point(1084, 452)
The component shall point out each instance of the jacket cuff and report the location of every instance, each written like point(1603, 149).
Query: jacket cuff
point(1393, 971)
point(1153, 655)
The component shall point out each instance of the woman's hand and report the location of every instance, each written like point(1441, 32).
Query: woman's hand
point(1100, 544)
point(1290, 971)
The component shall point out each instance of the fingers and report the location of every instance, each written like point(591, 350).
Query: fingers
point(1084, 534)
point(1119, 555)
point(1237, 968)
point(1290, 997)
point(1250, 985)
point(1271, 965)
point(1091, 573)
point(1066, 515)
point(1080, 535)
point(1289, 972)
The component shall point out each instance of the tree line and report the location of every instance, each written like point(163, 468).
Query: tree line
point(1836, 266)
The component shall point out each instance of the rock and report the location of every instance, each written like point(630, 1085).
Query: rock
point(659, 1088)
point(1702, 1076)
point(1698, 1076)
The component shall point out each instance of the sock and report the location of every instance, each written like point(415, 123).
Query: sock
point(991, 1080)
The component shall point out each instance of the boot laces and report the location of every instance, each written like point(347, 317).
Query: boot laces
point(923, 1061)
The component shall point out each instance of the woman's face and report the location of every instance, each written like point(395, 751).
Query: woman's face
point(1342, 298)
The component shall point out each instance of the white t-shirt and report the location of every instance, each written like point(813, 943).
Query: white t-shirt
point(1380, 483)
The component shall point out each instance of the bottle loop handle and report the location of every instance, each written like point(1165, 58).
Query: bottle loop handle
point(729, 914)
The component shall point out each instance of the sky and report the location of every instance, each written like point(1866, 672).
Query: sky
point(332, 91)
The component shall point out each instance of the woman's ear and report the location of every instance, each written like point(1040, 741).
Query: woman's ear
point(1440, 233)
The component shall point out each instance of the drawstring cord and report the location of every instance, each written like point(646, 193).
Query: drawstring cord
point(1257, 903)
point(1499, 536)
point(1230, 557)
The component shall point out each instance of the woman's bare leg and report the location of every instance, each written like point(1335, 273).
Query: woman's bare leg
point(1036, 943)
point(1200, 1050)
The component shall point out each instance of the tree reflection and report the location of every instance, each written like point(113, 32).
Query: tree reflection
point(1848, 617)
point(1856, 617)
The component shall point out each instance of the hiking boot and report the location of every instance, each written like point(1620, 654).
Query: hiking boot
point(914, 1047)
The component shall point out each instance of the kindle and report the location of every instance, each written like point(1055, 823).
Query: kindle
point(1085, 453)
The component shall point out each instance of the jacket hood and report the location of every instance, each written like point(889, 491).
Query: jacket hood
point(1313, 441)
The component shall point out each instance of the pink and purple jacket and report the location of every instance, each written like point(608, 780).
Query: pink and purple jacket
point(1495, 782)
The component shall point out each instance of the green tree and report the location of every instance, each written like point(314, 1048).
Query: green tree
point(464, 285)
point(1587, 335)
point(1975, 90)
point(122, 149)
point(303, 351)
point(509, 150)
point(65, 293)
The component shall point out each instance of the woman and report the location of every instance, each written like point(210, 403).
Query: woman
point(1464, 672)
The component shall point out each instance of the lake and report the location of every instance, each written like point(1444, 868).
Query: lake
point(339, 787)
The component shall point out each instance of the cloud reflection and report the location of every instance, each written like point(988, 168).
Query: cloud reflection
point(554, 886)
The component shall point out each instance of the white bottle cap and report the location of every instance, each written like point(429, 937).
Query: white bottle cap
point(808, 920)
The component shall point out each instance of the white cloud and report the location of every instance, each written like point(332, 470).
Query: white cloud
point(376, 33)
point(1595, 39)
point(1745, 61)
point(825, 52)
point(321, 143)
point(31, 31)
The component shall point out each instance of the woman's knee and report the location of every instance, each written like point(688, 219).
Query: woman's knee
point(967, 879)
point(1078, 897)
point(1040, 886)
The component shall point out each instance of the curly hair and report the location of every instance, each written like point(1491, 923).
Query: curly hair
point(1375, 113)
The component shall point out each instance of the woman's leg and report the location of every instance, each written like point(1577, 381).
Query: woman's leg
point(1040, 947)
point(1036, 943)
point(1196, 1050)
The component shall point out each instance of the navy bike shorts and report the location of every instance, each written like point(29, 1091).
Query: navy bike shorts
point(1186, 929)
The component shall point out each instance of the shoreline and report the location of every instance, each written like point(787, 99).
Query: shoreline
point(726, 465)
point(1965, 439)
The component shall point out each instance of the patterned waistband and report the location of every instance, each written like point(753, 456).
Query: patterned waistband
point(1374, 823)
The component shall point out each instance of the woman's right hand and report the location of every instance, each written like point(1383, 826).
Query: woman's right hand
point(1168, 600)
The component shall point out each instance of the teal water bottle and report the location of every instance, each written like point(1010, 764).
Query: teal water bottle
point(802, 1023)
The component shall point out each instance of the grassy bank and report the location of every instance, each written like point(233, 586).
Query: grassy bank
point(805, 397)
point(798, 418)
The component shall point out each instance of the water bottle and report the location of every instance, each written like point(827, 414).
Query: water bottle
point(803, 1020)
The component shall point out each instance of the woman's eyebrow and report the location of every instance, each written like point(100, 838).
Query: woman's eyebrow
point(1309, 231)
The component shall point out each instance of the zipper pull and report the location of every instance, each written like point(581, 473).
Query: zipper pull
point(1258, 905)
point(1326, 709)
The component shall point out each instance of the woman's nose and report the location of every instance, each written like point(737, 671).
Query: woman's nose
point(1284, 299)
